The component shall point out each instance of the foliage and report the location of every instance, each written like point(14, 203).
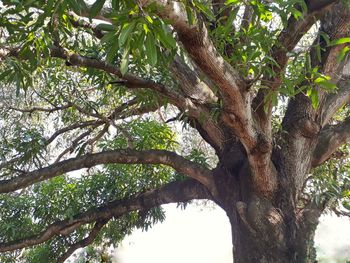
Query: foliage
point(53, 108)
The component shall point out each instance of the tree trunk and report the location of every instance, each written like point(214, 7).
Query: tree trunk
point(264, 230)
point(268, 244)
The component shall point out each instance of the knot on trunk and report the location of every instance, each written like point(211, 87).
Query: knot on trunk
point(308, 127)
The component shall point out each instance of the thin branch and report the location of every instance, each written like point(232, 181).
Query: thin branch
point(73, 145)
point(133, 82)
point(33, 109)
point(78, 22)
point(74, 126)
point(181, 191)
point(99, 135)
point(126, 156)
point(84, 242)
point(247, 17)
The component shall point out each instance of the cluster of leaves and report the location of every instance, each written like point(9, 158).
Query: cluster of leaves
point(27, 213)
point(330, 184)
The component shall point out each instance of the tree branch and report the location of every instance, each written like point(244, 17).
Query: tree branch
point(286, 42)
point(191, 84)
point(330, 139)
point(181, 191)
point(334, 101)
point(336, 25)
point(127, 156)
point(78, 21)
point(33, 109)
point(84, 242)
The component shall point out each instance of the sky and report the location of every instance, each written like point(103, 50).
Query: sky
point(202, 234)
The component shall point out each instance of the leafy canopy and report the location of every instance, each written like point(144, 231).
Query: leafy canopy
point(52, 110)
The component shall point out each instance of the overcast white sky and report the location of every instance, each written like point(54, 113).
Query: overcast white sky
point(203, 235)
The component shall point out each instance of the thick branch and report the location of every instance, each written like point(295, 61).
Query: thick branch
point(294, 31)
point(330, 139)
point(336, 25)
point(127, 156)
point(191, 84)
point(173, 192)
point(200, 48)
point(334, 101)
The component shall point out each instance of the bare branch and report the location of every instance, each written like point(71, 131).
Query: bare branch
point(127, 156)
point(181, 191)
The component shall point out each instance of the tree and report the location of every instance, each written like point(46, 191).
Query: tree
point(264, 83)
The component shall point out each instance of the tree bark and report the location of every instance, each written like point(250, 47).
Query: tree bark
point(264, 230)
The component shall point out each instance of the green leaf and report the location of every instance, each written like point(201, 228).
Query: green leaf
point(325, 37)
point(313, 95)
point(318, 53)
point(115, 4)
point(151, 50)
point(74, 5)
point(124, 62)
point(342, 54)
point(108, 37)
point(340, 41)
point(204, 9)
point(327, 85)
point(191, 17)
point(125, 32)
point(230, 2)
point(112, 52)
point(165, 37)
point(96, 8)
point(105, 27)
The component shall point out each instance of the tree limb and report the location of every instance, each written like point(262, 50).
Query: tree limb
point(330, 139)
point(336, 25)
point(181, 191)
point(84, 242)
point(126, 156)
point(33, 109)
point(286, 42)
point(334, 101)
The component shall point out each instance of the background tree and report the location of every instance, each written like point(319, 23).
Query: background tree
point(264, 83)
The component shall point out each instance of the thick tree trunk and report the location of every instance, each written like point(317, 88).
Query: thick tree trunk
point(264, 230)
point(267, 247)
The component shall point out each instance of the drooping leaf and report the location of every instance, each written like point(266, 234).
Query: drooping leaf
point(340, 41)
point(124, 62)
point(151, 50)
point(96, 8)
point(125, 32)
